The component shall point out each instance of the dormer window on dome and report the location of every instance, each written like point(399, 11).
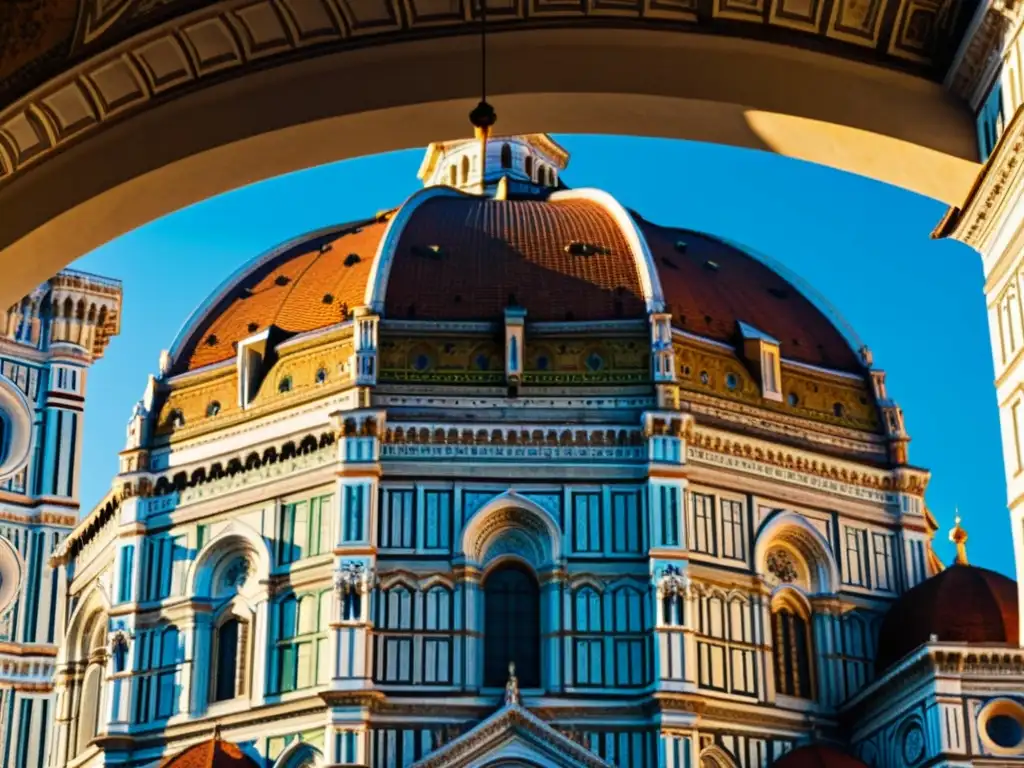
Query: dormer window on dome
point(530, 164)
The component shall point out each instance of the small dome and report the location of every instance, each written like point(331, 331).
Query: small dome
point(962, 604)
point(214, 753)
point(817, 756)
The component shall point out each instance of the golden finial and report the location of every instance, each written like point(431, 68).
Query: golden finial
point(959, 537)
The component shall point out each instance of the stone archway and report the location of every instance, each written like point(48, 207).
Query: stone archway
point(158, 111)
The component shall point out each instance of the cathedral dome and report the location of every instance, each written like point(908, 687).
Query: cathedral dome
point(450, 253)
point(817, 756)
point(215, 753)
point(962, 604)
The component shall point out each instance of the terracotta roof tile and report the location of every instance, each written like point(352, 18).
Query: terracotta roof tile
point(496, 252)
point(817, 756)
point(290, 292)
point(709, 285)
point(214, 753)
point(962, 604)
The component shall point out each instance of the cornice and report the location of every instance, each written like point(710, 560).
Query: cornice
point(977, 220)
point(803, 468)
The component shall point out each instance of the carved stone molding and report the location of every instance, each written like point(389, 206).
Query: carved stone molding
point(185, 47)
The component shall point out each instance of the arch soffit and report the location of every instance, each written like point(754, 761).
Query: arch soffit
point(95, 602)
point(298, 755)
point(12, 571)
point(236, 538)
point(15, 406)
point(793, 528)
point(512, 512)
point(788, 595)
point(377, 285)
point(717, 756)
point(654, 298)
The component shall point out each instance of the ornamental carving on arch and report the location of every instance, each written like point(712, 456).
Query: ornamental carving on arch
point(515, 520)
point(781, 567)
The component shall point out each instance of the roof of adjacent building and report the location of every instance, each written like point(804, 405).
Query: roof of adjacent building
point(962, 604)
point(563, 257)
point(214, 753)
point(817, 756)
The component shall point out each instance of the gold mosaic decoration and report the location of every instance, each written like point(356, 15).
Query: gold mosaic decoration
point(821, 397)
point(450, 360)
point(549, 361)
point(555, 361)
point(300, 374)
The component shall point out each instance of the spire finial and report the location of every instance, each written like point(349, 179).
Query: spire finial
point(483, 117)
point(959, 537)
point(512, 686)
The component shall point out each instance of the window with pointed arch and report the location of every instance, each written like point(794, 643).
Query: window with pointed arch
point(792, 647)
point(511, 625)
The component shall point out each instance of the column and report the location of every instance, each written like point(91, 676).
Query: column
point(553, 678)
point(474, 627)
point(202, 632)
point(260, 651)
point(352, 651)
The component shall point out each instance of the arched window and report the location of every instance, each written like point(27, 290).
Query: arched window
point(511, 626)
point(453, 175)
point(528, 166)
point(506, 156)
point(465, 170)
point(92, 683)
point(3, 434)
point(226, 678)
point(791, 650)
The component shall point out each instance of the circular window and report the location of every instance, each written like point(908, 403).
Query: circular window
point(285, 385)
point(704, 377)
point(793, 399)
point(1004, 731)
point(321, 375)
point(838, 411)
point(1001, 725)
point(213, 408)
point(15, 428)
point(732, 380)
point(177, 419)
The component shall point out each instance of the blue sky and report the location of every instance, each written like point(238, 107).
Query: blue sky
point(916, 302)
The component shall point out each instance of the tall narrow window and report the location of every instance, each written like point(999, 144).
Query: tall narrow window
point(226, 663)
point(792, 652)
point(465, 170)
point(506, 156)
point(453, 175)
point(528, 166)
point(511, 626)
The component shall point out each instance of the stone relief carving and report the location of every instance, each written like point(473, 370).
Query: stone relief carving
point(674, 583)
point(781, 567)
point(353, 577)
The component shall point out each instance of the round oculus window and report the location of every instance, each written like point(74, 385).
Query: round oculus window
point(1005, 731)
point(1001, 726)
point(15, 428)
